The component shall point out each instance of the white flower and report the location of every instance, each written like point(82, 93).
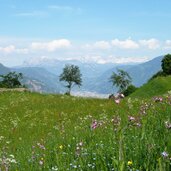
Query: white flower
point(1, 137)
point(165, 154)
point(55, 168)
point(11, 155)
point(13, 161)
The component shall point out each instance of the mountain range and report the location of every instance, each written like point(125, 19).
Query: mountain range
point(43, 76)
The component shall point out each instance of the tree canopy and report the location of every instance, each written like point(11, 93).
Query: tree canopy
point(72, 75)
point(121, 79)
point(166, 67)
point(11, 80)
point(166, 64)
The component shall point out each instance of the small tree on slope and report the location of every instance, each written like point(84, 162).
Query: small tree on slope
point(121, 80)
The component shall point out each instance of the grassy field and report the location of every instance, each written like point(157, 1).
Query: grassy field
point(155, 87)
point(52, 132)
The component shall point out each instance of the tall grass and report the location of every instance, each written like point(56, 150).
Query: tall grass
point(52, 132)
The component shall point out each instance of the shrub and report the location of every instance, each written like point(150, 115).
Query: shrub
point(130, 89)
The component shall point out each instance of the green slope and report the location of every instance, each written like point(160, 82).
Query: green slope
point(158, 86)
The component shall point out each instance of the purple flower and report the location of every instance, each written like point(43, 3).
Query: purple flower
point(41, 146)
point(131, 118)
point(165, 154)
point(94, 125)
point(138, 124)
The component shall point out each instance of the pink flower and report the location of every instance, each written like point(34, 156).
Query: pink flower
point(131, 118)
point(94, 125)
point(158, 99)
point(117, 101)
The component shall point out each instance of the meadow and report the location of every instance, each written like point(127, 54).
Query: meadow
point(55, 132)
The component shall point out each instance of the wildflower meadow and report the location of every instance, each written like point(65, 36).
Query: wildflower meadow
point(55, 132)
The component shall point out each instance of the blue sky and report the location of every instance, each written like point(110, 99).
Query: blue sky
point(93, 30)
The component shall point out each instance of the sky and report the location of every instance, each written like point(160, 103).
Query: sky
point(102, 31)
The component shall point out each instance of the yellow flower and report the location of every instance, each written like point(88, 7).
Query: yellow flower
point(130, 163)
point(61, 147)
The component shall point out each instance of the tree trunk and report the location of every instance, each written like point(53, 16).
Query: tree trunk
point(69, 88)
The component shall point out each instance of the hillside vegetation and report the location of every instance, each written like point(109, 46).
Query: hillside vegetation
point(52, 132)
point(155, 87)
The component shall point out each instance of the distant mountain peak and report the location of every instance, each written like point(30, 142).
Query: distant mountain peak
point(3, 69)
point(43, 74)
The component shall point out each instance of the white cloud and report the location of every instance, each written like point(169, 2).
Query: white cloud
point(167, 44)
point(22, 51)
point(122, 60)
point(150, 44)
point(60, 8)
point(104, 51)
point(8, 49)
point(51, 46)
point(113, 59)
point(125, 44)
point(65, 9)
point(102, 45)
point(12, 49)
point(32, 14)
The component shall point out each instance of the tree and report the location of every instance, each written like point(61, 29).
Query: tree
point(166, 67)
point(166, 64)
point(71, 74)
point(11, 80)
point(121, 80)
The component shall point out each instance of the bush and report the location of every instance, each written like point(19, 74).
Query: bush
point(130, 89)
